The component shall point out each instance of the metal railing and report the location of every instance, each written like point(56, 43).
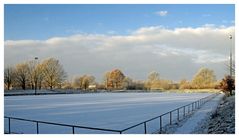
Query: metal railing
point(58, 124)
point(189, 107)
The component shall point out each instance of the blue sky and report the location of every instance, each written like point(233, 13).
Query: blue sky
point(41, 22)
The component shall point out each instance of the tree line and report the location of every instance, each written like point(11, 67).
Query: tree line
point(33, 75)
point(49, 74)
point(117, 80)
point(112, 80)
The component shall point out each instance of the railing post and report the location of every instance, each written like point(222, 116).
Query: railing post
point(73, 130)
point(145, 130)
point(170, 118)
point(37, 128)
point(183, 111)
point(178, 113)
point(160, 124)
point(192, 106)
point(9, 125)
point(188, 109)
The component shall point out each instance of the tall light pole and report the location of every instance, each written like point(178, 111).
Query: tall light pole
point(230, 37)
point(36, 77)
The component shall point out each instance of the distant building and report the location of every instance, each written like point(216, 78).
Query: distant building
point(92, 87)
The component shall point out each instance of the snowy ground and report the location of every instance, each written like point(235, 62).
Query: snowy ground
point(104, 110)
point(200, 116)
point(222, 121)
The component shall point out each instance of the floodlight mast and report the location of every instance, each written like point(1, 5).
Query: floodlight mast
point(230, 37)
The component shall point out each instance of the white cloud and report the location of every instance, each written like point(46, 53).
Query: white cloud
point(175, 53)
point(148, 30)
point(208, 25)
point(162, 13)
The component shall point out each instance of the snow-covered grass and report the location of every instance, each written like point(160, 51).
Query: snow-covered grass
point(200, 116)
point(195, 90)
point(103, 110)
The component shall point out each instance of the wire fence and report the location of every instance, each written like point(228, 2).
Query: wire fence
point(178, 114)
point(73, 127)
point(170, 117)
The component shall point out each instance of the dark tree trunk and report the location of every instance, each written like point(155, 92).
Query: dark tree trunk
point(39, 85)
point(23, 86)
point(8, 86)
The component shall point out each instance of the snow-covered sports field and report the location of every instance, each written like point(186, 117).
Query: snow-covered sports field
point(103, 110)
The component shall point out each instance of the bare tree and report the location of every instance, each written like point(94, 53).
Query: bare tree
point(127, 83)
point(22, 74)
point(153, 76)
point(67, 85)
point(165, 84)
point(204, 78)
point(53, 72)
point(32, 73)
point(228, 85)
point(87, 80)
point(36, 75)
point(184, 84)
point(40, 75)
point(83, 82)
point(77, 82)
point(115, 79)
point(152, 81)
point(106, 79)
point(9, 76)
point(139, 85)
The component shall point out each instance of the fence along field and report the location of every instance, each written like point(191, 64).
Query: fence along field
point(146, 122)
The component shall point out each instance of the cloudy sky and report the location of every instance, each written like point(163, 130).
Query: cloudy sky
point(174, 40)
